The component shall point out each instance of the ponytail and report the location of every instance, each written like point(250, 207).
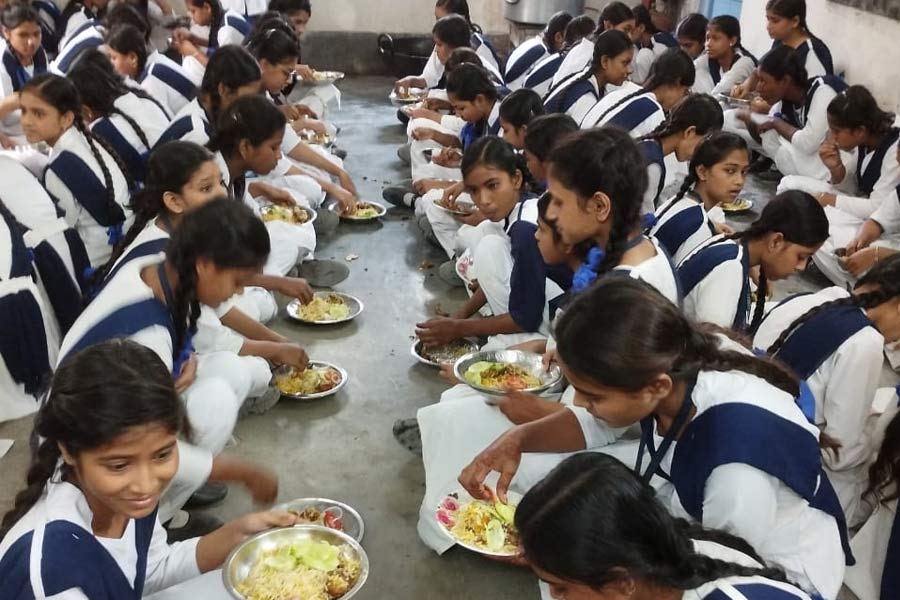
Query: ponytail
point(700, 111)
point(127, 39)
point(556, 25)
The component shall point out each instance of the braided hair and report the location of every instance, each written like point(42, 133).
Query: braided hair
point(218, 19)
point(84, 411)
point(62, 94)
point(700, 111)
point(800, 219)
point(169, 169)
point(592, 521)
point(605, 160)
point(712, 150)
point(856, 107)
point(674, 67)
point(232, 67)
point(622, 333)
point(225, 232)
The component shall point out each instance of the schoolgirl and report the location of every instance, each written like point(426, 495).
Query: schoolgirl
point(155, 301)
point(530, 52)
point(127, 118)
point(212, 27)
point(792, 137)
point(58, 254)
point(516, 111)
point(610, 532)
point(89, 35)
point(715, 175)
point(640, 111)
point(232, 72)
point(298, 12)
point(835, 340)
point(248, 139)
point(75, 15)
point(786, 25)
point(615, 16)
point(88, 181)
point(716, 424)
point(542, 136)
point(49, 14)
point(540, 77)
point(691, 34)
point(87, 524)
point(726, 62)
point(716, 275)
point(688, 123)
point(480, 42)
point(509, 268)
point(22, 58)
point(161, 77)
point(611, 66)
point(651, 43)
point(863, 132)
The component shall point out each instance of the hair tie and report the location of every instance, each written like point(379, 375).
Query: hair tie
point(587, 273)
point(648, 220)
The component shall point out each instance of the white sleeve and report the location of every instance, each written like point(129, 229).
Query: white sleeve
point(596, 433)
point(654, 173)
point(582, 106)
point(290, 141)
point(738, 73)
point(6, 86)
point(855, 373)
point(72, 594)
point(213, 336)
point(64, 197)
point(76, 20)
point(229, 36)
point(741, 500)
point(888, 214)
point(169, 565)
point(715, 299)
point(453, 123)
point(703, 81)
point(434, 70)
point(883, 191)
point(808, 139)
point(643, 61)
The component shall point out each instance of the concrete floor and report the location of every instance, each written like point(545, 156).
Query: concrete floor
point(342, 447)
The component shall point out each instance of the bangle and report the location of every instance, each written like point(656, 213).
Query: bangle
point(876, 253)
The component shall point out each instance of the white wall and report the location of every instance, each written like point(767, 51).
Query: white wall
point(397, 16)
point(864, 45)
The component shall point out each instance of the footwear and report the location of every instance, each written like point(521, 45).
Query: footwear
point(261, 404)
point(402, 194)
point(198, 525)
point(760, 165)
point(770, 175)
point(403, 153)
point(339, 152)
point(447, 273)
point(211, 492)
point(428, 231)
point(408, 435)
point(324, 273)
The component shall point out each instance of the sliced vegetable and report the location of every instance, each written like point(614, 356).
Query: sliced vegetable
point(495, 536)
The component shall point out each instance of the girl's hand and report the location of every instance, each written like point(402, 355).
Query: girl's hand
point(438, 331)
point(423, 133)
point(181, 34)
point(188, 374)
point(186, 48)
point(280, 196)
point(290, 113)
point(254, 523)
point(740, 91)
point(7, 142)
point(296, 287)
point(860, 261)
point(830, 155)
point(424, 113)
point(723, 229)
point(521, 407)
point(472, 219)
point(767, 126)
point(306, 111)
point(262, 485)
point(826, 199)
point(549, 358)
point(503, 456)
point(448, 198)
point(868, 233)
point(436, 104)
point(406, 82)
point(345, 199)
point(314, 125)
point(448, 157)
point(291, 354)
point(448, 375)
point(760, 106)
point(347, 183)
point(305, 72)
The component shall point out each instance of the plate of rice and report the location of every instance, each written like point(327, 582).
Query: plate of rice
point(479, 525)
point(326, 308)
point(319, 380)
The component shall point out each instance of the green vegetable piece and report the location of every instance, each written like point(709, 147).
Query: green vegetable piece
point(495, 536)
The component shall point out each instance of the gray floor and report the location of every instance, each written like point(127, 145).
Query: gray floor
point(342, 448)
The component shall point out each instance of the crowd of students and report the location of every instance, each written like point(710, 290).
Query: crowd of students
point(707, 443)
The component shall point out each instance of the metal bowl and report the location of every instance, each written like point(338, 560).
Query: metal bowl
point(378, 207)
point(739, 206)
point(419, 355)
point(326, 77)
point(459, 211)
point(238, 564)
point(733, 102)
point(353, 523)
point(413, 95)
point(310, 213)
point(355, 304)
point(530, 361)
point(285, 369)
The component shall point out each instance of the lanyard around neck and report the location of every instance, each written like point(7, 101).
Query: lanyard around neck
point(657, 456)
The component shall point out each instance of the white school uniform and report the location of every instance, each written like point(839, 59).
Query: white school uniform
point(777, 521)
point(844, 387)
point(433, 71)
point(164, 79)
point(49, 14)
point(682, 225)
point(634, 110)
point(462, 424)
point(720, 293)
point(75, 180)
point(522, 59)
point(212, 401)
point(540, 77)
point(51, 552)
point(646, 56)
point(233, 28)
point(485, 50)
point(13, 76)
point(816, 57)
point(191, 124)
point(149, 116)
point(88, 35)
point(576, 96)
point(578, 58)
point(710, 79)
point(250, 9)
point(74, 24)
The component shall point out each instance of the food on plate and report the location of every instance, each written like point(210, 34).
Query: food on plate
point(447, 354)
point(311, 137)
point(501, 376)
point(363, 210)
point(461, 208)
point(330, 517)
point(289, 214)
point(326, 75)
point(325, 307)
point(739, 204)
point(313, 380)
point(308, 569)
point(488, 526)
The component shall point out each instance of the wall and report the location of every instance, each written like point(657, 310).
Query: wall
point(864, 45)
point(397, 16)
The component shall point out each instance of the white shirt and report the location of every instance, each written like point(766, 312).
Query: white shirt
point(162, 75)
point(522, 59)
point(578, 58)
point(672, 209)
point(885, 187)
point(740, 70)
point(616, 106)
point(715, 299)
